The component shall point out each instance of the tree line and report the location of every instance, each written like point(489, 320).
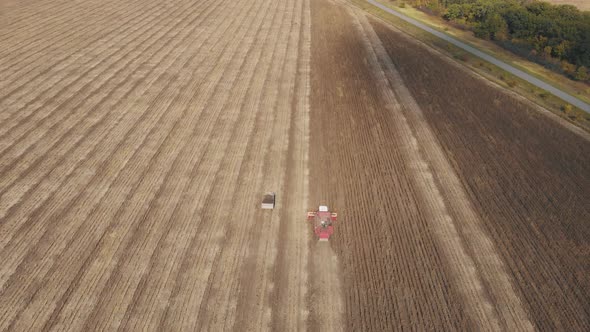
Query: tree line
point(557, 36)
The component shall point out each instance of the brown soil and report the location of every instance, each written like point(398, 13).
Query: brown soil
point(528, 177)
point(436, 233)
point(393, 272)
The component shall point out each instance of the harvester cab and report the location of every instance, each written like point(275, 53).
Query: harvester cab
point(323, 222)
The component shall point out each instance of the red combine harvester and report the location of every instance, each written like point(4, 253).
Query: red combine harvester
point(323, 221)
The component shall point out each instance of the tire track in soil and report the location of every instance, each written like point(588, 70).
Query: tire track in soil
point(326, 291)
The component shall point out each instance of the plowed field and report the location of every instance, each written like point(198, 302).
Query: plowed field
point(137, 139)
point(464, 207)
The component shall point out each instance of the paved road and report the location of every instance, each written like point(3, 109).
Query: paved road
point(516, 72)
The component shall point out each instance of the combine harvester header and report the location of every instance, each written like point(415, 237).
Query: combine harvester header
point(323, 222)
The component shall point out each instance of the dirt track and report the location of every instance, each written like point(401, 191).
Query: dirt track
point(137, 139)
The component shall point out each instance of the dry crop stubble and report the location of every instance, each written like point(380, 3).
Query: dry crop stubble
point(132, 159)
point(50, 56)
point(242, 209)
point(80, 87)
point(103, 109)
point(153, 216)
point(110, 146)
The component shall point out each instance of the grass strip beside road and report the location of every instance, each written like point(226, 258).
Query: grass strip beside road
point(490, 70)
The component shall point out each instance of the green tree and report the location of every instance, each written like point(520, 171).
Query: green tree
point(547, 51)
point(561, 50)
point(493, 27)
point(582, 74)
point(454, 12)
point(568, 68)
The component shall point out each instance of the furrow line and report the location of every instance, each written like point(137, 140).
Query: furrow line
point(16, 99)
point(129, 271)
point(223, 294)
point(482, 250)
point(61, 59)
point(49, 20)
point(48, 115)
point(474, 294)
point(152, 287)
point(87, 124)
point(22, 219)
